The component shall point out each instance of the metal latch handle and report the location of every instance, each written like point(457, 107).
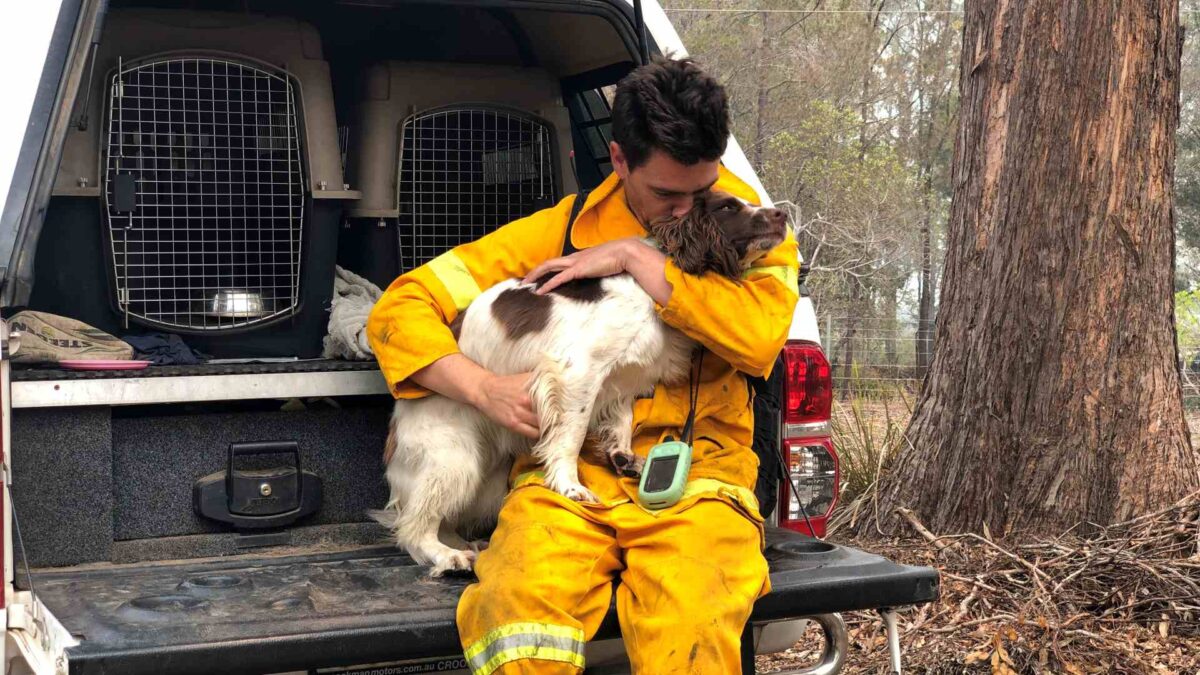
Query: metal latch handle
point(264, 448)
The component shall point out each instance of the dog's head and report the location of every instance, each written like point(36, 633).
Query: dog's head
point(720, 234)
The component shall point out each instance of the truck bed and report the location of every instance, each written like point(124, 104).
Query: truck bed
point(259, 613)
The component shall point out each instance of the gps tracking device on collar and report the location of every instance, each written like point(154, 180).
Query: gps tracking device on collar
point(665, 473)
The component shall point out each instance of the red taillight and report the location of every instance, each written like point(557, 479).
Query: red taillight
point(808, 387)
point(807, 498)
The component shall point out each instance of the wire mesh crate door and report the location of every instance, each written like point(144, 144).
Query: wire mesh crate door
point(467, 170)
point(214, 240)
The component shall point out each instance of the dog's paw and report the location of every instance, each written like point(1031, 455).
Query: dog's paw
point(578, 493)
point(568, 485)
point(626, 463)
point(454, 561)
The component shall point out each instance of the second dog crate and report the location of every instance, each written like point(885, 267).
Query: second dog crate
point(445, 153)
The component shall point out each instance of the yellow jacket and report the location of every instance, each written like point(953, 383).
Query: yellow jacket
point(743, 323)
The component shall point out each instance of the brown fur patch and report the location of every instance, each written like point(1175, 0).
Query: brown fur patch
point(697, 244)
point(581, 290)
point(521, 312)
point(389, 446)
point(457, 324)
point(716, 235)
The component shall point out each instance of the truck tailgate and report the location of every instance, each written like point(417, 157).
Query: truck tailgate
point(278, 613)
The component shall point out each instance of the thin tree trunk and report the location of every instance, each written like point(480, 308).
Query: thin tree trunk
point(925, 299)
point(848, 360)
point(924, 346)
point(1053, 397)
point(869, 46)
point(857, 293)
point(890, 328)
point(760, 121)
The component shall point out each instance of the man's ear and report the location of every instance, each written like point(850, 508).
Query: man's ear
point(619, 163)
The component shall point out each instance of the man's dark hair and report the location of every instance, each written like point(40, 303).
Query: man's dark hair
point(672, 106)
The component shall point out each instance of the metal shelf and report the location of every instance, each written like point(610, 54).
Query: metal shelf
point(120, 391)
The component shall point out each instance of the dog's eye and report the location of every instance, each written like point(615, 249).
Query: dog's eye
point(728, 206)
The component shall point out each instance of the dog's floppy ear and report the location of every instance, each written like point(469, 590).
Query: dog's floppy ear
point(696, 244)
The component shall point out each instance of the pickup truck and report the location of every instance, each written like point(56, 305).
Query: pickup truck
point(205, 170)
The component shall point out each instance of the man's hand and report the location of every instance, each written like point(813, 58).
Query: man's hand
point(604, 260)
point(646, 264)
point(505, 399)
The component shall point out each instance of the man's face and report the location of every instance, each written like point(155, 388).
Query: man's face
point(662, 186)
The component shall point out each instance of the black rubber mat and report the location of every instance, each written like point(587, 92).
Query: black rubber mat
point(272, 614)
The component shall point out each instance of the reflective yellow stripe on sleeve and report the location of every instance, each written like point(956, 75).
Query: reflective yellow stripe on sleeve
point(454, 275)
point(528, 640)
point(786, 274)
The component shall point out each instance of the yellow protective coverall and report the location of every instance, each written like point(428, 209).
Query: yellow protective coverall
point(690, 573)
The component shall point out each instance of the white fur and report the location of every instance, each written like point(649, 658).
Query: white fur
point(448, 473)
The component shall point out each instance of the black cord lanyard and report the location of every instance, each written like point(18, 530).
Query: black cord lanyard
point(689, 428)
point(689, 435)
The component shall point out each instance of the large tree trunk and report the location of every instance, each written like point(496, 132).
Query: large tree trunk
point(1053, 396)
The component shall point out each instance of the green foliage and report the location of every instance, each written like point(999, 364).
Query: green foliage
point(849, 118)
point(1187, 324)
point(865, 434)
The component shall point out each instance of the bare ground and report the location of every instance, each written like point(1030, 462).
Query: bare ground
point(1126, 600)
point(984, 623)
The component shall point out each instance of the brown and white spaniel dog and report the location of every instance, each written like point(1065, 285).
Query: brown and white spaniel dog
point(593, 346)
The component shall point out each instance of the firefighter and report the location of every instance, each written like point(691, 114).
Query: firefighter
point(689, 574)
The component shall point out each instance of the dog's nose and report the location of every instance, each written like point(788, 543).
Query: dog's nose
point(775, 216)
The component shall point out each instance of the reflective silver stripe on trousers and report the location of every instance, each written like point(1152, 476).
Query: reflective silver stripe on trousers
point(524, 640)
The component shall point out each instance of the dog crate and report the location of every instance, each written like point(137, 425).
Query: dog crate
point(200, 190)
point(445, 153)
point(465, 170)
point(204, 193)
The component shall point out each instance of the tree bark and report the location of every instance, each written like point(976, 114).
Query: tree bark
point(1053, 396)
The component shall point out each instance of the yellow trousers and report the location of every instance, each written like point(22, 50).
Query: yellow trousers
point(689, 576)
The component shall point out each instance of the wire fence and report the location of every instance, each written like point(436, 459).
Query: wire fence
point(878, 358)
point(1189, 356)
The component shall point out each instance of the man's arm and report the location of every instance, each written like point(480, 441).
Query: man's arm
point(743, 321)
point(504, 398)
point(409, 326)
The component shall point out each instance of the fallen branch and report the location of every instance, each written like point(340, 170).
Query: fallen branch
point(909, 516)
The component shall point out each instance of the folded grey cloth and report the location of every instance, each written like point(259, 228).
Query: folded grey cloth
point(163, 349)
point(353, 298)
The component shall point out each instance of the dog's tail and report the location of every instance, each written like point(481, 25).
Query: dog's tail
point(389, 446)
point(546, 392)
point(388, 516)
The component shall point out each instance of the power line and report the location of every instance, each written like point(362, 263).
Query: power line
point(812, 11)
point(728, 10)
